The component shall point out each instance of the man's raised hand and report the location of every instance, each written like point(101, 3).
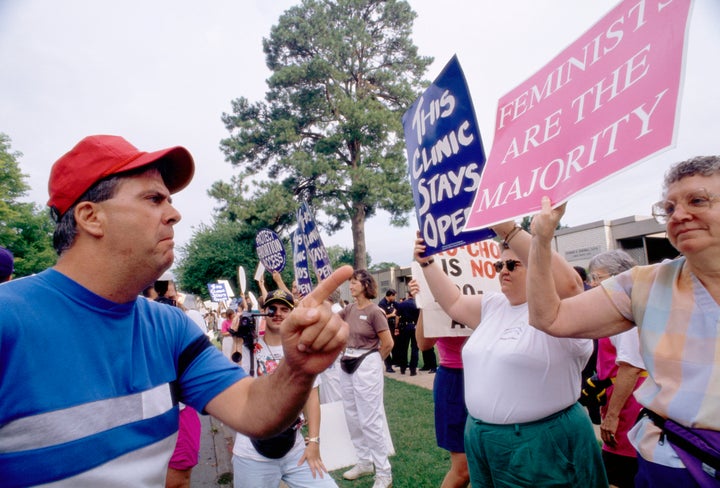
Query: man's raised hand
point(312, 335)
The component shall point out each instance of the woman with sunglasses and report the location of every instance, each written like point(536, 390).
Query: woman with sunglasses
point(675, 307)
point(524, 426)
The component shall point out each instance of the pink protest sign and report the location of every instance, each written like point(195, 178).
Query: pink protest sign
point(606, 102)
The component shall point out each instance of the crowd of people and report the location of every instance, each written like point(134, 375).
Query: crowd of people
point(117, 403)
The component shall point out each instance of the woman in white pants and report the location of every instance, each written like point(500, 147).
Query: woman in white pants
point(369, 344)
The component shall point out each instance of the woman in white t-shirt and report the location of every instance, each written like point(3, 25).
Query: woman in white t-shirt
point(524, 425)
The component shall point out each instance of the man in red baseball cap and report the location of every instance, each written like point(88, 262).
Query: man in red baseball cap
point(101, 409)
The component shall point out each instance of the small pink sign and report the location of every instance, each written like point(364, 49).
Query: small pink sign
point(606, 102)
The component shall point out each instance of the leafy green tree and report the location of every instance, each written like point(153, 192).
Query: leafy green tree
point(215, 252)
point(343, 72)
point(527, 220)
point(25, 228)
point(382, 266)
point(340, 256)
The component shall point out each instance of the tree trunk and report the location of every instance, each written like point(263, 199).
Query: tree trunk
point(358, 233)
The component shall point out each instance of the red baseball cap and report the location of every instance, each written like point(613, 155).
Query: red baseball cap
point(97, 157)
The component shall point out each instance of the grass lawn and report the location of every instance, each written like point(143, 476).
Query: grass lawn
point(417, 462)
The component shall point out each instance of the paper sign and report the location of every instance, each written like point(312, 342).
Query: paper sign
point(254, 305)
point(217, 292)
point(470, 268)
point(445, 160)
point(336, 449)
point(259, 271)
point(270, 250)
point(605, 103)
point(242, 281)
point(228, 288)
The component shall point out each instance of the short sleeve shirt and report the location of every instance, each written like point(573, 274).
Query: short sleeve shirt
point(365, 325)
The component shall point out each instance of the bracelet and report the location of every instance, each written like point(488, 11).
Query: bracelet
point(427, 263)
point(308, 440)
point(511, 234)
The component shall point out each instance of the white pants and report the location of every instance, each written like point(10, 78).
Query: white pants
point(365, 412)
point(227, 346)
point(330, 389)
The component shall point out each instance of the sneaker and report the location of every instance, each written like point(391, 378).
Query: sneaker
point(357, 471)
point(382, 482)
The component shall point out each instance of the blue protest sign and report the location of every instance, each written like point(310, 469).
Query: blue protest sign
point(317, 254)
point(217, 291)
point(300, 263)
point(270, 250)
point(445, 160)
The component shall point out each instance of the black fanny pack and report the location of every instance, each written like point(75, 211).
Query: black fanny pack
point(350, 364)
point(278, 446)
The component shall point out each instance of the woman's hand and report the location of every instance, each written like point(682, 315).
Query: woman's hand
point(419, 249)
point(315, 462)
point(544, 223)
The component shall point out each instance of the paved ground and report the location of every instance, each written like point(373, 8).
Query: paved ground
point(423, 378)
point(214, 464)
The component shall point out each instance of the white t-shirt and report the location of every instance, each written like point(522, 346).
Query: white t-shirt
point(266, 360)
point(515, 373)
point(627, 346)
point(197, 317)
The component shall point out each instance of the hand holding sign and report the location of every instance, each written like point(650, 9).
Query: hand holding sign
point(544, 223)
point(312, 335)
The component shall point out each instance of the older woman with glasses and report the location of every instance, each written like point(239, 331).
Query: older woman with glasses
point(525, 427)
point(675, 307)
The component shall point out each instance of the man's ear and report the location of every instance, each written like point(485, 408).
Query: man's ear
point(89, 218)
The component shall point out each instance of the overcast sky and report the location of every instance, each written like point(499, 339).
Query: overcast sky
point(161, 73)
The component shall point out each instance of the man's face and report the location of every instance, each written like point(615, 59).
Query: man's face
point(391, 298)
point(138, 224)
point(281, 311)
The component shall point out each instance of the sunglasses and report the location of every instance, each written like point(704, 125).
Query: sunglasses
point(510, 264)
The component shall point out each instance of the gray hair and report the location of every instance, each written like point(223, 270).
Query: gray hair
point(614, 262)
point(700, 165)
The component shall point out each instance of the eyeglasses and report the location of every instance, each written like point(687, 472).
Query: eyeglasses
point(694, 202)
point(511, 264)
point(597, 277)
